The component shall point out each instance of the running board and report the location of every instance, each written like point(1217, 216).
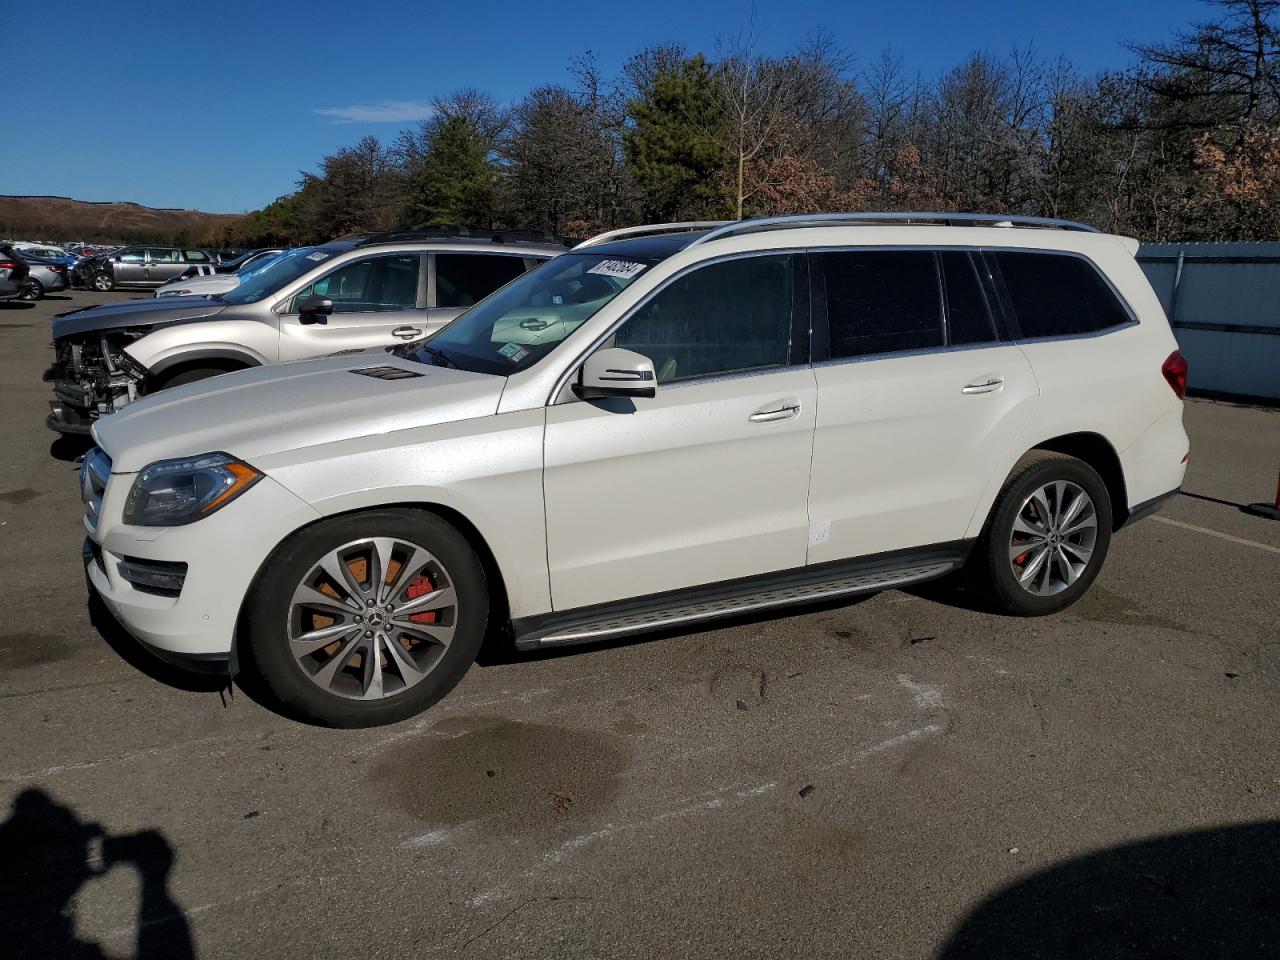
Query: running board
point(680, 607)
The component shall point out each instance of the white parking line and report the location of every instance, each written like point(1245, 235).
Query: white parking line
point(1220, 536)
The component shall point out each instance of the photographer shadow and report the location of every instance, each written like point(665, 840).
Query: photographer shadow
point(1203, 894)
point(47, 853)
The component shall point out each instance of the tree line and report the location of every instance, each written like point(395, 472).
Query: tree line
point(1184, 144)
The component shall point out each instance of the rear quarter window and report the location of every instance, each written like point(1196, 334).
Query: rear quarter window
point(1057, 295)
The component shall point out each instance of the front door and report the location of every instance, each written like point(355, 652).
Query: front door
point(919, 400)
point(130, 266)
point(706, 481)
point(375, 303)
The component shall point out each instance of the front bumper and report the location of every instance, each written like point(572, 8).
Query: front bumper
point(69, 420)
point(223, 554)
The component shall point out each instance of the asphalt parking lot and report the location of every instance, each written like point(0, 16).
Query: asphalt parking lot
point(900, 777)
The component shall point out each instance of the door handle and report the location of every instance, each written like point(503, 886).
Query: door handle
point(534, 324)
point(406, 333)
point(988, 384)
point(788, 410)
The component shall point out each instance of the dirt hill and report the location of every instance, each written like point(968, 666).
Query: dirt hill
point(61, 218)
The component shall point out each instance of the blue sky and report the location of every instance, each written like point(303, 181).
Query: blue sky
point(217, 106)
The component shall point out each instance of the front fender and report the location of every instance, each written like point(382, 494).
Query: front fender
point(244, 341)
point(489, 470)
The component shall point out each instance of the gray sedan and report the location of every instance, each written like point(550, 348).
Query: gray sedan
point(45, 277)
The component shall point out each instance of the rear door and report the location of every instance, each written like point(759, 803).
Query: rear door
point(377, 301)
point(163, 264)
point(461, 280)
point(920, 394)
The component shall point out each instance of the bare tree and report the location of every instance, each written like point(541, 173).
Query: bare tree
point(757, 96)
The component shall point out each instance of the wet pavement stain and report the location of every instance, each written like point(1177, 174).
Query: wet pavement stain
point(22, 650)
point(24, 495)
point(503, 774)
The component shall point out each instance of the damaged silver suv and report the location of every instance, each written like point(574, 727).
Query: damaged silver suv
point(355, 293)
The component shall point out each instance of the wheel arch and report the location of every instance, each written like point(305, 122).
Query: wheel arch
point(1095, 450)
point(221, 359)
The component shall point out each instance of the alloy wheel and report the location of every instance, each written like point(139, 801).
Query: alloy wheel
point(372, 618)
point(1053, 538)
point(30, 291)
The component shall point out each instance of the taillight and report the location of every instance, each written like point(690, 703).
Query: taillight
point(1175, 371)
point(8, 265)
point(57, 268)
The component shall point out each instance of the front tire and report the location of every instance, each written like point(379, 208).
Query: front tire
point(190, 375)
point(1046, 537)
point(368, 618)
point(104, 282)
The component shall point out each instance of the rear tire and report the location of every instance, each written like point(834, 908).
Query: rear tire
point(32, 290)
point(286, 623)
point(1046, 537)
point(103, 282)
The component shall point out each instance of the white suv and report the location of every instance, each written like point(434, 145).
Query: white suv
point(664, 425)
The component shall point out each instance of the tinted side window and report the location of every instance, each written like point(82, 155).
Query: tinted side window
point(1055, 295)
point(196, 256)
point(882, 301)
point(722, 318)
point(463, 279)
point(968, 316)
point(131, 256)
point(160, 255)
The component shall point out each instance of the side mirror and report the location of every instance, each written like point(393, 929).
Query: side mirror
point(616, 373)
point(314, 309)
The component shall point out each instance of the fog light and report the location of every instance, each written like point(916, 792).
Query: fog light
point(154, 576)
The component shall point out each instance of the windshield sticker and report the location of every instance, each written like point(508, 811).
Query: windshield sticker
point(317, 256)
point(514, 352)
point(622, 269)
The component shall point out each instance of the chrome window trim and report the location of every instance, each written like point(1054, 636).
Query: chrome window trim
point(1062, 337)
point(555, 399)
point(922, 352)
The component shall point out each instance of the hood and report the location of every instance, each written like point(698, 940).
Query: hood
point(209, 283)
point(255, 413)
point(135, 313)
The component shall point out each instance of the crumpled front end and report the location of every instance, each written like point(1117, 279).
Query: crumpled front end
point(92, 376)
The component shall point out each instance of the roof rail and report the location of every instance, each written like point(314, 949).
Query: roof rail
point(653, 228)
point(796, 221)
point(452, 232)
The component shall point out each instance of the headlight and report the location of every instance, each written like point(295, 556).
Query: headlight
point(170, 493)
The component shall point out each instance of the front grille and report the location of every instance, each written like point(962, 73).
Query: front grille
point(94, 472)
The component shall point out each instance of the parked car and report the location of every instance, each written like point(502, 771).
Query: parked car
point(206, 282)
point(44, 251)
point(45, 276)
point(134, 267)
point(351, 294)
point(247, 258)
point(13, 272)
point(650, 431)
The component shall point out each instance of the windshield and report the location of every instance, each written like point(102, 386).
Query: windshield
point(513, 329)
point(256, 266)
point(288, 266)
